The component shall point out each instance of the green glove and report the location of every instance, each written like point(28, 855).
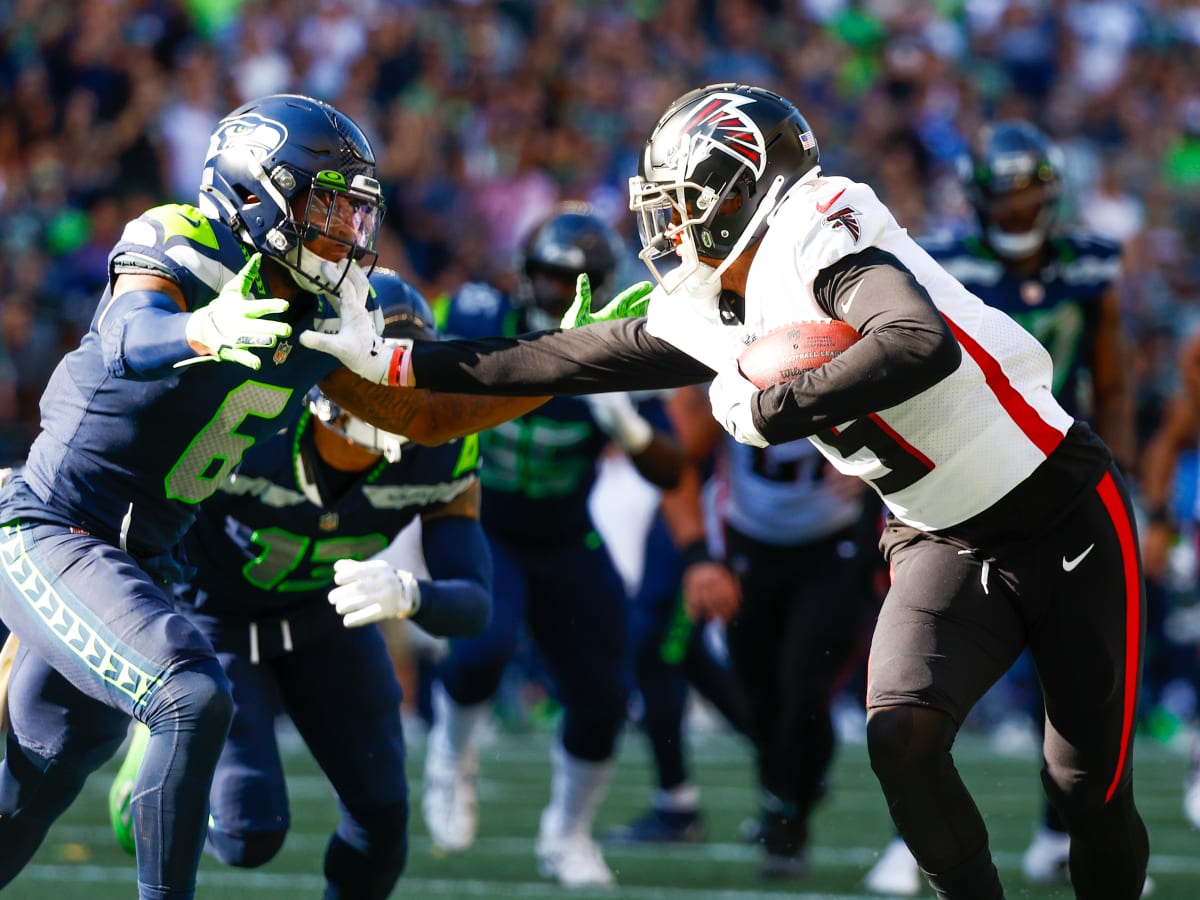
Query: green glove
point(628, 304)
point(232, 321)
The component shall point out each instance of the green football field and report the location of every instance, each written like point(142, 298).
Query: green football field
point(80, 860)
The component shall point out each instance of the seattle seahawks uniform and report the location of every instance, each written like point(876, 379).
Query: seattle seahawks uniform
point(263, 548)
point(1060, 306)
point(88, 538)
point(1004, 510)
point(553, 573)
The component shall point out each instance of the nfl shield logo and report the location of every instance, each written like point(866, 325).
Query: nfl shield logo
point(281, 353)
point(328, 521)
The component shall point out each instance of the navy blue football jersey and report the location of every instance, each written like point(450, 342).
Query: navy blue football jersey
point(130, 459)
point(1060, 307)
point(538, 470)
point(266, 541)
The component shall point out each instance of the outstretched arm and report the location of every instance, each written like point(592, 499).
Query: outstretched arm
point(618, 355)
point(422, 416)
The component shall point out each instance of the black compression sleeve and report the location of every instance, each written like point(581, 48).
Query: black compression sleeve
point(906, 348)
point(607, 356)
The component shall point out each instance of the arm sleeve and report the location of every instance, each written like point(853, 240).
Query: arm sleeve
point(906, 348)
point(457, 601)
point(607, 356)
point(142, 335)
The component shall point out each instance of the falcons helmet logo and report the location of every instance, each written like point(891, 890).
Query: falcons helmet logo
point(719, 123)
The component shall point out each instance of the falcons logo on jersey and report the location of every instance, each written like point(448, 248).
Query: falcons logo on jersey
point(846, 217)
point(720, 124)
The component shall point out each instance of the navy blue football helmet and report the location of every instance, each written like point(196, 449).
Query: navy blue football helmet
point(286, 170)
point(405, 315)
point(1012, 177)
point(571, 240)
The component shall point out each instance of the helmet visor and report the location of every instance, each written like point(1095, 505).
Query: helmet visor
point(350, 216)
point(354, 429)
point(665, 218)
point(1021, 209)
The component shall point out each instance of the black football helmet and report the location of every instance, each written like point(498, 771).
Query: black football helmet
point(285, 170)
point(571, 240)
point(713, 169)
point(405, 315)
point(1013, 180)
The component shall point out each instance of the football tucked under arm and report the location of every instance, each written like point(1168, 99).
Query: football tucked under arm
point(783, 353)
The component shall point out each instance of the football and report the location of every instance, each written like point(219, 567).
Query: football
point(783, 353)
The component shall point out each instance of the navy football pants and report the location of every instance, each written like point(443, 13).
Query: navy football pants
point(339, 689)
point(573, 602)
point(100, 643)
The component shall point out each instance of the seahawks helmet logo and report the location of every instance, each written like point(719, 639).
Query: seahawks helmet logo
point(261, 136)
point(719, 123)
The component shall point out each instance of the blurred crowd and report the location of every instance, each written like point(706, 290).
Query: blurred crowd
point(485, 113)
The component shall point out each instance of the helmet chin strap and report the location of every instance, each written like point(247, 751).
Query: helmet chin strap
point(305, 268)
point(1016, 246)
point(750, 231)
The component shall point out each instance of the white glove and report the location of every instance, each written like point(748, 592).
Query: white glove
point(730, 395)
point(619, 419)
point(372, 590)
point(232, 322)
point(357, 342)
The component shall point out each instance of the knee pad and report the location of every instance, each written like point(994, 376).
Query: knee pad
point(197, 694)
point(245, 851)
point(907, 738)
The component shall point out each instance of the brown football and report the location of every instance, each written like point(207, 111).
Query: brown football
point(785, 352)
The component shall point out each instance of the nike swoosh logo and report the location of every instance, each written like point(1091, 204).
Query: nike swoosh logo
point(195, 223)
point(1070, 564)
point(823, 208)
point(850, 299)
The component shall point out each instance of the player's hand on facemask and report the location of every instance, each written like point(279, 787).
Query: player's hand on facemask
point(233, 322)
point(371, 590)
point(619, 419)
point(357, 343)
point(730, 396)
point(629, 303)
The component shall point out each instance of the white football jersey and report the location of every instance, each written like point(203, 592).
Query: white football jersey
point(949, 452)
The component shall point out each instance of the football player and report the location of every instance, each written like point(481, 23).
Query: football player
point(553, 574)
point(299, 517)
point(197, 350)
point(672, 650)
point(1009, 526)
point(1061, 285)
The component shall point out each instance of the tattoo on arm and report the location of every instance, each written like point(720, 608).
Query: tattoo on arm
point(423, 416)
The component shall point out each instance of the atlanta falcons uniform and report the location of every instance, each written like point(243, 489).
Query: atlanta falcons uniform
point(553, 573)
point(263, 548)
point(1009, 526)
point(88, 538)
